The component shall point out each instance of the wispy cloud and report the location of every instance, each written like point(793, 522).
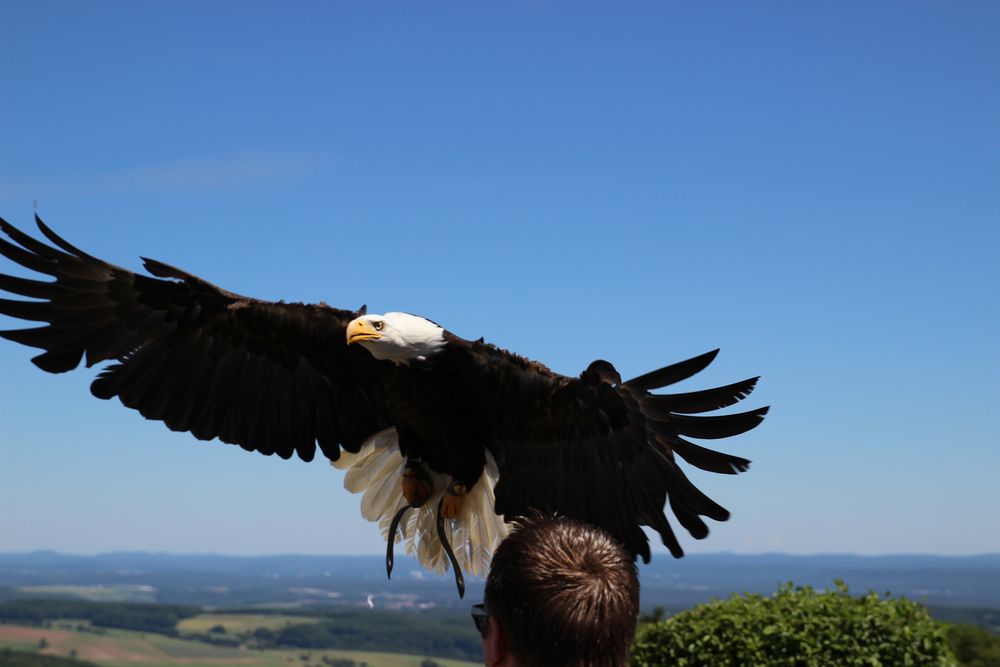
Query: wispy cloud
point(200, 174)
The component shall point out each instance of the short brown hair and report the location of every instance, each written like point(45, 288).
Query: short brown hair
point(565, 593)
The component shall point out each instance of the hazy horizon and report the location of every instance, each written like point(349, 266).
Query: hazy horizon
point(400, 554)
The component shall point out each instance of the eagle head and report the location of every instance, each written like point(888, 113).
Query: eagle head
point(397, 337)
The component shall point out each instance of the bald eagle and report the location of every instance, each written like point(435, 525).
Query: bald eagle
point(468, 435)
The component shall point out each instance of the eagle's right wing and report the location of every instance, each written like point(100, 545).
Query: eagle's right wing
point(276, 378)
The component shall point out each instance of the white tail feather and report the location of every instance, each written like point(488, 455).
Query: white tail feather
point(375, 472)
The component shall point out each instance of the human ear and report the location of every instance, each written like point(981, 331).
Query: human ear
point(495, 643)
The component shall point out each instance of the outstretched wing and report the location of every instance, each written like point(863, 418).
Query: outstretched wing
point(603, 451)
point(275, 378)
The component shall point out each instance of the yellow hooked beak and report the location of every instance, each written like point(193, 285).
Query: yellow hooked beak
point(360, 330)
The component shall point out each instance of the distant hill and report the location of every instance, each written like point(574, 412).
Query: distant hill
point(295, 580)
point(937, 580)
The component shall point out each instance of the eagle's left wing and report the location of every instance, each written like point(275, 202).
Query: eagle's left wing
point(602, 451)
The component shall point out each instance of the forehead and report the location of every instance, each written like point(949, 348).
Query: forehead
point(399, 317)
point(416, 318)
point(403, 320)
point(385, 316)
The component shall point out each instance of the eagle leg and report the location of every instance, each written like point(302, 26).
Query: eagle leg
point(451, 505)
point(417, 486)
point(459, 579)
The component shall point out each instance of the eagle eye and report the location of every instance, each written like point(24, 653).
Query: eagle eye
point(378, 324)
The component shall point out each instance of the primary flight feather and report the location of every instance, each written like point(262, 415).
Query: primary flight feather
point(469, 435)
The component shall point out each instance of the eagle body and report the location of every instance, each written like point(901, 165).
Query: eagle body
point(438, 409)
point(433, 406)
point(397, 401)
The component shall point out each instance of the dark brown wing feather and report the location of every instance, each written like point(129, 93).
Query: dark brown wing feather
point(603, 452)
point(275, 378)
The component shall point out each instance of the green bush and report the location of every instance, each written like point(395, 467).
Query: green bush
point(796, 627)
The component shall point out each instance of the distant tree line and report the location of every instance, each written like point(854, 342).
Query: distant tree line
point(159, 618)
point(328, 661)
point(375, 631)
point(974, 647)
point(981, 617)
point(9, 658)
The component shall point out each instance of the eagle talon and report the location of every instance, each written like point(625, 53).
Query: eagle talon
point(451, 505)
point(417, 488)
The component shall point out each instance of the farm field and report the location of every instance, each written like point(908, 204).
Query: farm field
point(137, 649)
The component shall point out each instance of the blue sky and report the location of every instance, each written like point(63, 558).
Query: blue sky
point(811, 187)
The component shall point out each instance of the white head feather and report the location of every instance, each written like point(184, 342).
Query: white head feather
point(404, 337)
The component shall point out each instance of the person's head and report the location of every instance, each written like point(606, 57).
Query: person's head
point(560, 592)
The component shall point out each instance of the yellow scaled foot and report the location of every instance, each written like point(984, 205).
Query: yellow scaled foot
point(416, 488)
point(452, 505)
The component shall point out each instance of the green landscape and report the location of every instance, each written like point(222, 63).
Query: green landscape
point(146, 610)
point(202, 640)
point(808, 627)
